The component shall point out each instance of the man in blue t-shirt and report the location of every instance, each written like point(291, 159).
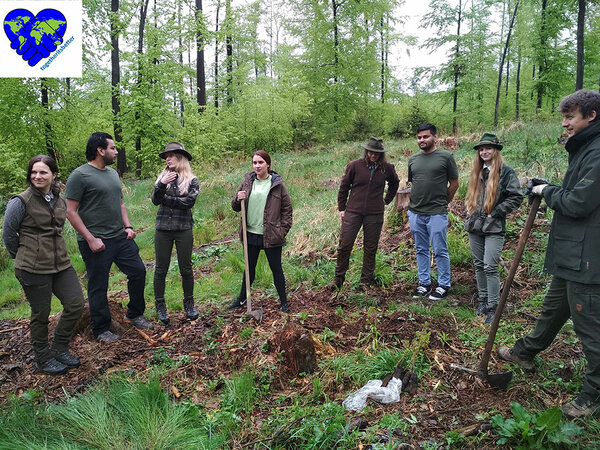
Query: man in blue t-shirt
point(434, 181)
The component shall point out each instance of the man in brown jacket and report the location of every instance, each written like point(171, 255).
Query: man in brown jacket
point(364, 180)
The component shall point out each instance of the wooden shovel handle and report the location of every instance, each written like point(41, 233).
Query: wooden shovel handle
point(485, 358)
point(246, 264)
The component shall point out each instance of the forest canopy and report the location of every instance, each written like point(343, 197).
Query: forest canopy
point(229, 77)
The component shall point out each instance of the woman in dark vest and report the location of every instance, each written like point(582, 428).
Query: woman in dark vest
point(493, 192)
point(269, 218)
point(32, 233)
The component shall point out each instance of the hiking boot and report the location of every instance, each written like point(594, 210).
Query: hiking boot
point(237, 303)
point(335, 285)
point(190, 312)
point(580, 406)
point(439, 293)
point(507, 354)
point(140, 322)
point(52, 367)
point(481, 309)
point(490, 313)
point(422, 291)
point(107, 336)
point(67, 359)
point(284, 307)
point(161, 311)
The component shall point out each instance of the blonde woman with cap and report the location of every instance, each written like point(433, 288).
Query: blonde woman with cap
point(493, 192)
point(361, 203)
point(175, 193)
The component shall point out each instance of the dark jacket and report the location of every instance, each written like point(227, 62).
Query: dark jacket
point(277, 219)
point(42, 248)
point(366, 191)
point(508, 198)
point(574, 239)
point(175, 211)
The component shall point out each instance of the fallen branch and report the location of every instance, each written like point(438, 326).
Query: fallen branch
point(150, 340)
point(8, 330)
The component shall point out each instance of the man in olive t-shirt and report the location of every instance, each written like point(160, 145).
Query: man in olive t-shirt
point(105, 236)
point(433, 175)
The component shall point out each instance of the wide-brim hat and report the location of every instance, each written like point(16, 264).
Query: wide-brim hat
point(375, 145)
point(175, 147)
point(489, 139)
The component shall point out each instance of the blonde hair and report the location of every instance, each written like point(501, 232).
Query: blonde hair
point(476, 183)
point(184, 174)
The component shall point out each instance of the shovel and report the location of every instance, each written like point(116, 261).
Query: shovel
point(257, 314)
point(502, 380)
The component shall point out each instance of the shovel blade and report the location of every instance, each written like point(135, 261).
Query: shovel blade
point(256, 314)
point(500, 380)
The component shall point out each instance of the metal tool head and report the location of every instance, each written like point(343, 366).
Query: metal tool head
point(256, 314)
point(500, 380)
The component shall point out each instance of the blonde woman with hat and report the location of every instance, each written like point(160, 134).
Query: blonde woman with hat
point(493, 192)
point(175, 193)
point(361, 203)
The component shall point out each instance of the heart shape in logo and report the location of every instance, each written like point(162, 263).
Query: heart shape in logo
point(35, 37)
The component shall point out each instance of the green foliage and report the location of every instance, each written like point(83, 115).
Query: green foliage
point(530, 430)
point(115, 414)
point(241, 393)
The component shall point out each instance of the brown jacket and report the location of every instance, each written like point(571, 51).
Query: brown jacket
point(278, 209)
point(366, 191)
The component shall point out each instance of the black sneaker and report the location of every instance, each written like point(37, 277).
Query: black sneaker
point(439, 293)
point(140, 322)
point(237, 303)
point(285, 308)
point(422, 291)
point(67, 359)
point(52, 367)
point(580, 406)
point(481, 309)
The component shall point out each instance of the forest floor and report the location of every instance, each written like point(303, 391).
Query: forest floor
point(220, 342)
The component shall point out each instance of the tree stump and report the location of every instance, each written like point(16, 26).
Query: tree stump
point(299, 354)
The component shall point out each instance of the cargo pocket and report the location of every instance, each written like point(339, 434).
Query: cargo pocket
point(568, 249)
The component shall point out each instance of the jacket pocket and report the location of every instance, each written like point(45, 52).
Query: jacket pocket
point(568, 249)
point(492, 225)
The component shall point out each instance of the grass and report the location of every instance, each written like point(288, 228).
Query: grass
point(117, 413)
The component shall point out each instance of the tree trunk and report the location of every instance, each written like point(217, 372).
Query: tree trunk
point(518, 85)
point(580, 34)
point(48, 134)
point(456, 70)
point(115, 86)
point(510, 28)
point(542, 62)
point(229, 50)
point(140, 75)
point(334, 7)
point(200, 75)
point(182, 90)
point(382, 52)
point(217, 58)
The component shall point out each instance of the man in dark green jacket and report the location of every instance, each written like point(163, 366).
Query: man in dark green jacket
point(572, 256)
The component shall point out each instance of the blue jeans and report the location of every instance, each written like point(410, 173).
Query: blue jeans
point(426, 230)
point(125, 254)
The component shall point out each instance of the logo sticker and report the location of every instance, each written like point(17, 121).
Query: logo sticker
point(34, 38)
point(578, 307)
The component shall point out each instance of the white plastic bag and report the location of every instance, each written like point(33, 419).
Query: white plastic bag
point(373, 390)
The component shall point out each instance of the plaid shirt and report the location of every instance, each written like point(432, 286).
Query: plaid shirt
point(175, 210)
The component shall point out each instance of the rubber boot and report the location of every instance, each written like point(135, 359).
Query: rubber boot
point(161, 310)
point(284, 307)
point(490, 313)
point(190, 311)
